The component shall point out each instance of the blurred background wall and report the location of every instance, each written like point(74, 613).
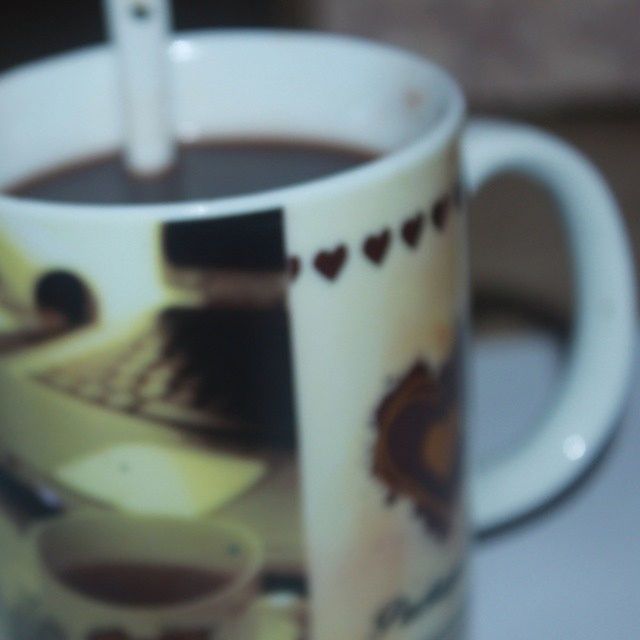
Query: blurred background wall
point(572, 66)
point(521, 55)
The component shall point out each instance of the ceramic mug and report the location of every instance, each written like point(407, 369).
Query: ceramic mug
point(350, 468)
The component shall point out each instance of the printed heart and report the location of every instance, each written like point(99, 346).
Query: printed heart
point(412, 230)
point(375, 246)
point(330, 263)
point(440, 213)
point(293, 267)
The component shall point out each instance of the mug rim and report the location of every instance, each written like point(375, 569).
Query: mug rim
point(183, 46)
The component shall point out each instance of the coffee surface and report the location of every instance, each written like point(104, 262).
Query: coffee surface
point(143, 584)
point(212, 169)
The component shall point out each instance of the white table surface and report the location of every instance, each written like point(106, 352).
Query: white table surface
point(572, 573)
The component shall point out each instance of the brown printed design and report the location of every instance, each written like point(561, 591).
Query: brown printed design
point(164, 473)
point(404, 610)
point(412, 230)
point(60, 303)
point(191, 368)
point(417, 451)
point(375, 246)
point(39, 303)
point(440, 213)
point(330, 263)
point(152, 463)
point(219, 365)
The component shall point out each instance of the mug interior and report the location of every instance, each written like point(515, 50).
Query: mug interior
point(228, 85)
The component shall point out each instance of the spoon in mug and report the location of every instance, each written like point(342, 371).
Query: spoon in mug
point(140, 30)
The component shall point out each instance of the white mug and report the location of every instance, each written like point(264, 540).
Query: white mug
point(364, 521)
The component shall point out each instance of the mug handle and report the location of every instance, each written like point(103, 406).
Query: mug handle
point(599, 367)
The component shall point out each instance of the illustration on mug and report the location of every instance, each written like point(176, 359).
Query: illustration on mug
point(149, 469)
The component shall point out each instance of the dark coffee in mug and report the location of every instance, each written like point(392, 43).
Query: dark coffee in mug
point(143, 584)
point(210, 169)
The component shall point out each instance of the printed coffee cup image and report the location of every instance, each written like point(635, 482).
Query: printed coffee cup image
point(108, 576)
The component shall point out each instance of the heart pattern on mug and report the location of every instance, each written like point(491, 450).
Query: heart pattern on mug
point(440, 213)
point(412, 230)
point(330, 263)
point(375, 247)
